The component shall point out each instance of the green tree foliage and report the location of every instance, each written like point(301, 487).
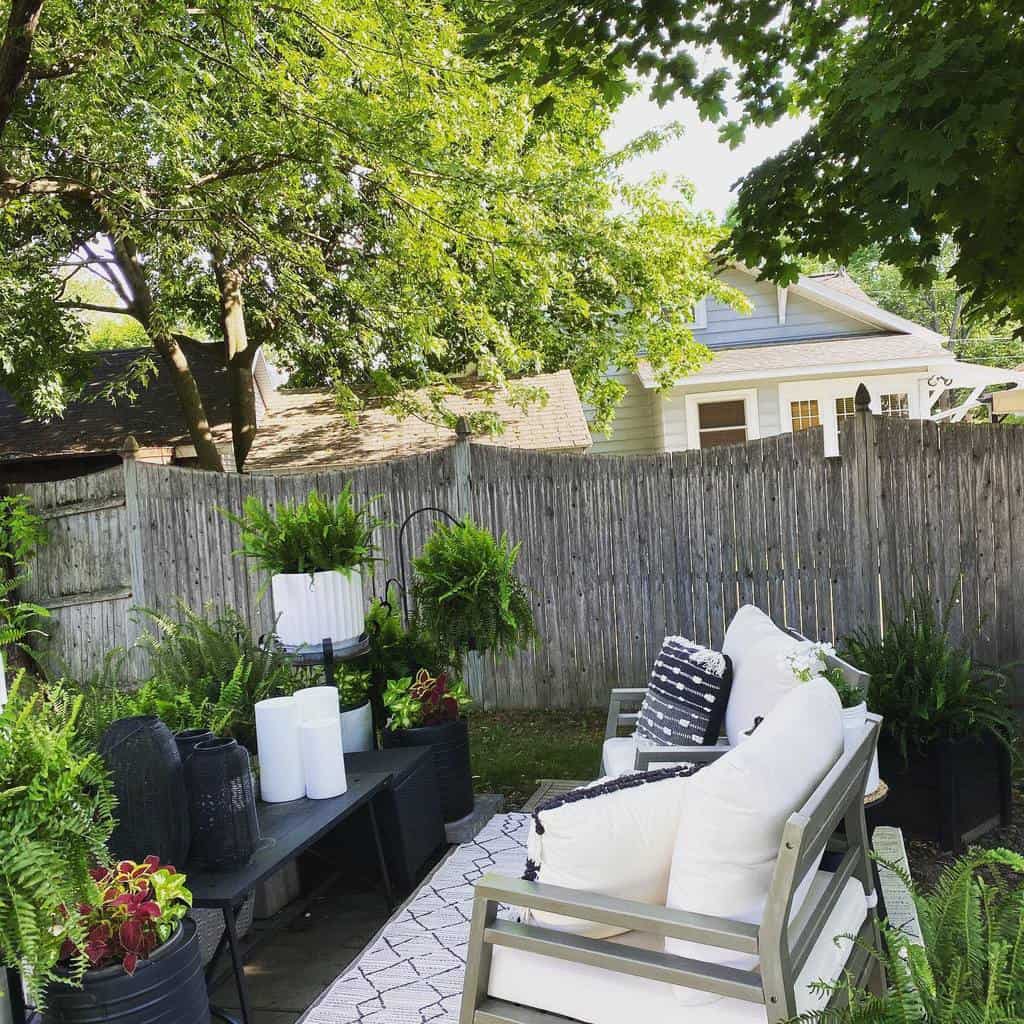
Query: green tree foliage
point(337, 182)
point(916, 133)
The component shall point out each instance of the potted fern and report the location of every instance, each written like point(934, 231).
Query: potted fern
point(314, 552)
point(467, 593)
point(426, 710)
point(948, 733)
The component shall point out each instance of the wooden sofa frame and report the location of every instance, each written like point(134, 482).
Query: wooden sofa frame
point(622, 715)
point(832, 817)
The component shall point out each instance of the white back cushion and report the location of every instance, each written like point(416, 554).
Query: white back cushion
point(613, 837)
point(760, 675)
point(734, 812)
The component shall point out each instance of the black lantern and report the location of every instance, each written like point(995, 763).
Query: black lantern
point(188, 739)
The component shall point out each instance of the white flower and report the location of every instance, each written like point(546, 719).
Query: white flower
point(808, 660)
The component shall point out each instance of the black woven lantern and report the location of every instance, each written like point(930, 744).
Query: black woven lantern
point(152, 807)
point(188, 739)
point(222, 805)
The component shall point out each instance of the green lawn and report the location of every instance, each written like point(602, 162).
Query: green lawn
point(512, 750)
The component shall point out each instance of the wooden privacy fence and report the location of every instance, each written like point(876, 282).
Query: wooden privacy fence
point(619, 552)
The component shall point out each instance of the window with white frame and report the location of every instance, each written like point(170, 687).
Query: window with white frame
point(896, 404)
point(805, 414)
point(846, 409)
point(722, 422)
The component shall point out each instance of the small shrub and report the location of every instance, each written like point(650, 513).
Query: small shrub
point(924, 686)
point(424, 700)
point(467, 593)
point(315, 536)
point(22, 533)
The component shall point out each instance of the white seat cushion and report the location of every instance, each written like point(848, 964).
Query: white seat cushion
point(735, 810)
point(618, 755)
point(597, 996)
point(760, 675)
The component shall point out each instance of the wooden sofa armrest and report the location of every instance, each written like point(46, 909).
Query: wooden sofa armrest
point(622, 697)
point(645, 757)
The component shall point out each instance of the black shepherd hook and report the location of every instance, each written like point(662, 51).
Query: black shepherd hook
point(401, 580)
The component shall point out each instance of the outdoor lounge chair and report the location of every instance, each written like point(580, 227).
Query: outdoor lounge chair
point(624, 753)
point(528, 974)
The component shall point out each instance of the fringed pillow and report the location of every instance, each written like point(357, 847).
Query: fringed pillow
point(686, 698)
point(614, 837)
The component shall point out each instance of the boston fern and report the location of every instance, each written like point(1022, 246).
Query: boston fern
point(925, 686)
point(467, 593)
point(314, 536)
point(56, 814)
point(971, 967)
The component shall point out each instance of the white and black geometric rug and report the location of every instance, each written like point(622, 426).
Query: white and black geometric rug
point(412, 972)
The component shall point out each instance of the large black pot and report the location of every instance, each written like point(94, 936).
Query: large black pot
point(168, 988)
point(149, 783)
point(449, 743)
point(950, 792)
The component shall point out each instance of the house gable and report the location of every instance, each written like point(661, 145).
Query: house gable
point(806, 317)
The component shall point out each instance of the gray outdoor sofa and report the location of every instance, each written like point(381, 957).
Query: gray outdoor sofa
point(832, 818)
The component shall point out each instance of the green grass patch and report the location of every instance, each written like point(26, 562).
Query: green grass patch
point(513, 750)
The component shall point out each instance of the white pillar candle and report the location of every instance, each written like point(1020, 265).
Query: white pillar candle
point(322, 759)
point(319, 703)
point(282, 776)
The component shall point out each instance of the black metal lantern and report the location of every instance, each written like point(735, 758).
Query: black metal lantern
point(152, 806)
point(189, 739)
point(222, 805)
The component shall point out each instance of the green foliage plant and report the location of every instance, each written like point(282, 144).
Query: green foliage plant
point(316, 535)
point(468, 595)
point(56, 814)
point(22, 533)
point(424, 699)
point(925, 686)
point(970, 969)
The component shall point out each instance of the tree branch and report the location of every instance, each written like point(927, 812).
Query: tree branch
point(95, 307)
point(15, 52)
point(14, 188)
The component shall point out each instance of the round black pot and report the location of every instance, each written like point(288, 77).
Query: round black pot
point(147, 777)
point(168, 988)
point(449, 743)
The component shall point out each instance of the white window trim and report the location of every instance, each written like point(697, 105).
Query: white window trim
point(783, 295)
point(826, 391)
point(693, 401)
point(700, 315)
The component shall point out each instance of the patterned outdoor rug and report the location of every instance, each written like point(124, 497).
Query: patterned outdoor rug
point(412, 972)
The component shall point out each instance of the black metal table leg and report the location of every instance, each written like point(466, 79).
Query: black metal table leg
point(230, 937)
point(384, 873)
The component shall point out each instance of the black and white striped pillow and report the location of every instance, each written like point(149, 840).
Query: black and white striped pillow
point(686, 697)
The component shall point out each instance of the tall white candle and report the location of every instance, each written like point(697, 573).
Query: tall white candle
point(322, 759)
point(282, 776)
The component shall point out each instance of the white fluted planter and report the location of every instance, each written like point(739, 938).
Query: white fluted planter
point(311, 607)
point(357, 728)
point(854, 720)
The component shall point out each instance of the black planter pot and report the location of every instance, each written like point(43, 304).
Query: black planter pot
point(222, 805)
point(449, 743)
point(148, 781)
point(188, 740)
point(168, 988)
point(950, 793)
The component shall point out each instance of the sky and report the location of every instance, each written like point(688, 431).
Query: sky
point(698, 155)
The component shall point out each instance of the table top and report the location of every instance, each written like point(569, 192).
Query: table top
point(287, 830)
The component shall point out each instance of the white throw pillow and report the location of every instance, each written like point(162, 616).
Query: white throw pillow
point(734, 812)
point(760, 675)
point(614, 837)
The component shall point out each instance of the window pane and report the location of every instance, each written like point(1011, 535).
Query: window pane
point(805, 414)
point(896, 405)
point(846, 409)
point(714, 438)
point(722, 414)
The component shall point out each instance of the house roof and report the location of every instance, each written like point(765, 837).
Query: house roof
point(840, 281)
point(305, 430)
point(92, 425)
point(870, 352)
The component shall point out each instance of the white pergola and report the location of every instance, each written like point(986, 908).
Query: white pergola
point(977, 378)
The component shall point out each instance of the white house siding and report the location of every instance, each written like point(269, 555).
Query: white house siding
point(637, 425)
point(804, 319)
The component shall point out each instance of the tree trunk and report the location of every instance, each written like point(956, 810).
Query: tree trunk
point(142, 308)
point(15, 52)
point(240, 356)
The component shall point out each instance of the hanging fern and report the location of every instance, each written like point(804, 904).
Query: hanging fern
point(467, 593)
point(971, 968)
point(56, 814)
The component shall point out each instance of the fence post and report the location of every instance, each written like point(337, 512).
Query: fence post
point(463, 485)
point(133, 521)
point(860, 449)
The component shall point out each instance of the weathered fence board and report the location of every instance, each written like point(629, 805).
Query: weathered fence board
point(617, 552)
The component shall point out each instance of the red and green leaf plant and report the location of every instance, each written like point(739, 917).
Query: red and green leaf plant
point(136, 909)
point(424, 700)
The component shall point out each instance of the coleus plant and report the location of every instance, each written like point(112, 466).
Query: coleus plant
point(424, 700)
point(136, 909)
